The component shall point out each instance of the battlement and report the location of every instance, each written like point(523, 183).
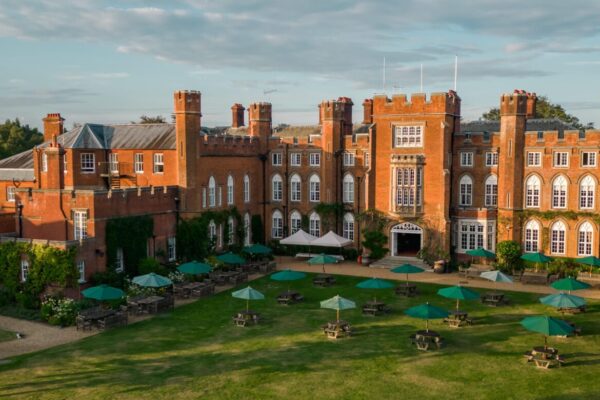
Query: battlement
point(229, 144)
point(260, 111)
point(448, 103)
point(187, 101)
point(514, 103)
point(335, 109)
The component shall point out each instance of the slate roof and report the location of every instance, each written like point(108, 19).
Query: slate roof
point(536, 124)
point(18, 167)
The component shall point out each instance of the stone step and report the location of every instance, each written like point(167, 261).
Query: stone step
point(391, 262)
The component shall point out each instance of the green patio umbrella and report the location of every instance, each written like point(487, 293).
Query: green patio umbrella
point(481, 252)
point(592, 261)
point(248, 293)
point(103, 292)
point(338, 303)
point(407, 269)
point(257, 249)
point(152, 280)
point(323, 259)
point(459, 293)
point(194, 268)
point(288, 275)
point(375, 283)
point(231, 259)
point(426, 311)
point(547, 326)
point(537, 258)
point(563, 300)
point(569, 284)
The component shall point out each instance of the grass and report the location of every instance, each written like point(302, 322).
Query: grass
point(6, 335)
point(196, 352)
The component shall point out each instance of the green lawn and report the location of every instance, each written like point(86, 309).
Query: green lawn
point(196, 352)
point(6, 335)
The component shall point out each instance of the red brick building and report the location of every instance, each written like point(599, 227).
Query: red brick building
point(442, 183)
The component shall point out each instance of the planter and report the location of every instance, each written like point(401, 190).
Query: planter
point(439, 267)
point(366, 260)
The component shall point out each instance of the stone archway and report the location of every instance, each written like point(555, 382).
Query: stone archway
point(406, 239)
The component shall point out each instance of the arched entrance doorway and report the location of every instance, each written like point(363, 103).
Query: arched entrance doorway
point(406, 239)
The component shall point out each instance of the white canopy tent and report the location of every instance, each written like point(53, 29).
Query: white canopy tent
point(300, 238)
point(331, 239)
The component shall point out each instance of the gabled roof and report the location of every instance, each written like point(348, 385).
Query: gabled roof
point(536, 124)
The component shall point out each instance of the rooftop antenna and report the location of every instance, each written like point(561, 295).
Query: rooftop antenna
point(269, 91)
point(384, 74)
point(421, 78)
point(455, 71)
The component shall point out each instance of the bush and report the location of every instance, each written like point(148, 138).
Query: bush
point(110, 277)
point(59, 311)
point(27, 300)
point(148, 265)
point(375, 241)
point(6, 297)
point(350, 254)
point(508, 254)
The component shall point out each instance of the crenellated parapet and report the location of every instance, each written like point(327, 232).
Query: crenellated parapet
point(230, 144)
point(447, 103)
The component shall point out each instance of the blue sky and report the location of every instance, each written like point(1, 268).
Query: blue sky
point(112, 61)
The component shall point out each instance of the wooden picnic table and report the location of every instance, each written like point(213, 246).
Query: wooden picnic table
point(424, 340)
point(337, 329)
point(572, 310)
point(406, 289)
point(493, 298)
point(323, 280)
point(458, 318)
point(96, 314)
point(150, 304)
point(243, 318)
point(375, 308)
point(544, 357)
point(289, 297)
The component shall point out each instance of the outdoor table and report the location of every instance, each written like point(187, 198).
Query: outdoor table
point(289, 297)
point(95, 315)
point(323, 280)
point(375, 308)
point(337, 329)
point(544, 352)
point(425, 339)
point(245, 317)
point(457, 318)
point(150, 304)
point(572, 310)
point(408, 290)
point(545, 357)
point(190, 288)
point(493, 298)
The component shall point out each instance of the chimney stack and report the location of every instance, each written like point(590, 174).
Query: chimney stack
point(237, 115)
point(53, 126)
point(368, 111)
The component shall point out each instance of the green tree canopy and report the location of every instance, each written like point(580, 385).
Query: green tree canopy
point(544, 109)
point(15, 138)
point(145, 119)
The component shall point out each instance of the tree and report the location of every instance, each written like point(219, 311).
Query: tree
point(16, 138)
point(544, 109)
point(508, 254)
point(144, 119)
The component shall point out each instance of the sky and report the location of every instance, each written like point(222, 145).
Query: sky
point(109, 61)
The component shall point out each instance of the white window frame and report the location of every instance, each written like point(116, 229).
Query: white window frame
point(81, 270)
point(88, 163)
point(532, 237)
point(558, 238)
point(295, 222)
point(491, 159)
point(277, 225)
point(247, 229)
point(560, 159)
point(409, 183)
point(113, 162)
point(587, 193)
point(138, 163)
point(171, 248)
point(592, 159)
point(296, 159)
point(231, 229)
point(212, 192)
point(534, 159)
point(533, 186)
point(276, 159)
point(65, 163)
point(466, 158)
point(408, 136)
point(465, 195)
point(10, 193)
point(348, 189)
point(491, 191)
point(276, 188)
point(230, 193)
point(212, 230)
point(472, 234)
point(314, 189)
point(295, 188)
point(348, 226)
point(585, 239)
point(246, 188)
point(80, 218)
point(159, 163)
point(560, 192)
point(349, 159)
point(44, 162)
point(24, 270)
point(314, 224)
point(314, 159)
point(119, 260)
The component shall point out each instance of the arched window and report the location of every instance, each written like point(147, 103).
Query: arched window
point(532, 195)
point(212, 230)
point(585, 239)
point(315, 224)
point(277, 225)
point(491, 191)
point(247, 231)
point(532, 236)
point(348, 195)
point(587, 190)
point(212, 192)
point(348, 226)
point(466, 191)
point(277, 188)
point(315, 188)
point(557, 238)
point(230, 190)
point(295, 188)
point(559, 192)
point(230, 231)
point(295, 222)
point(246, 189)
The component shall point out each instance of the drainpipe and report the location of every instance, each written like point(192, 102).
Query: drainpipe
point(20, 216)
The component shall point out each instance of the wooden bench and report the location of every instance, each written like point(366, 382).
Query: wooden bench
point(534, 278)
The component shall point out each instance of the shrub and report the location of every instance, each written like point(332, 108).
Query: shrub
point(110, 277)
point(375, 241)
point(148, 265)
point(508, 254)
point(59, 311)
